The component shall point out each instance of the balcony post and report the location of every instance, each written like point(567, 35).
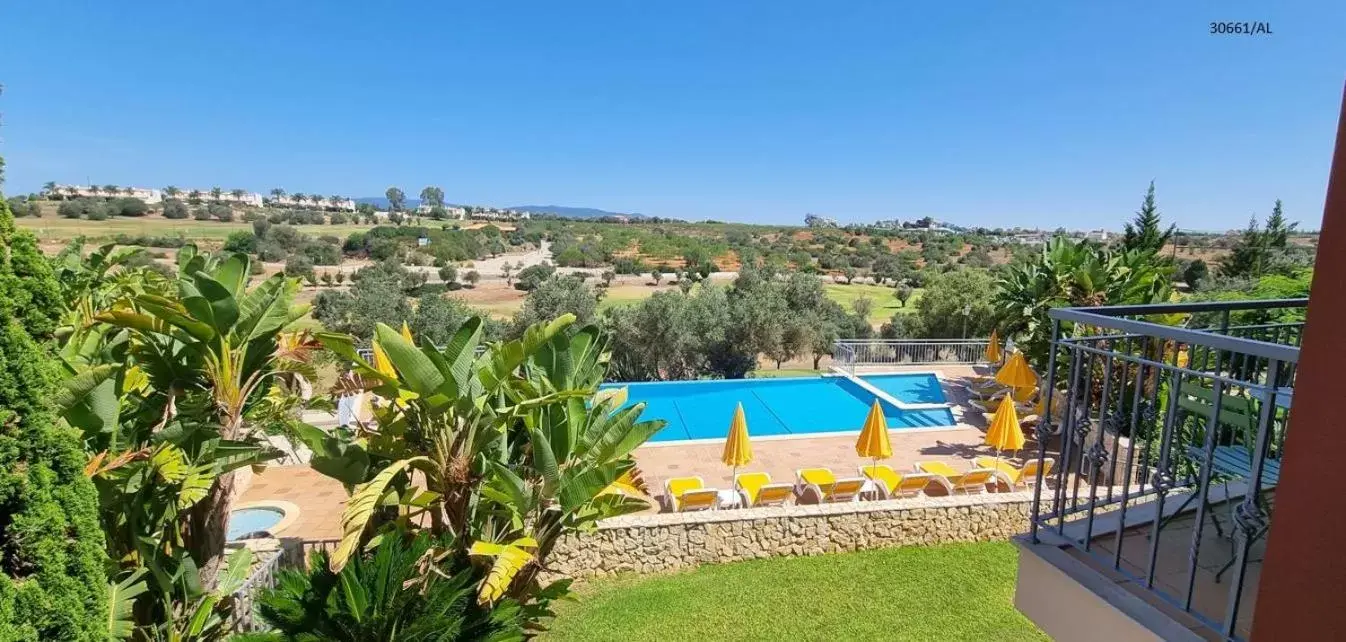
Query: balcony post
point(1296, 598)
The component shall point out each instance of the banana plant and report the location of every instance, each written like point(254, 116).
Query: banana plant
point(168, 387)
point(505, 451)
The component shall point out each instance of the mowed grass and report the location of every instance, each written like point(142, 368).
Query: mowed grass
point(952, 592)
point(620, 296)
point(62, 229)
point(884, 297)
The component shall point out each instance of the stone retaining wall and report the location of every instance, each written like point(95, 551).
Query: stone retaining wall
point(674, 541)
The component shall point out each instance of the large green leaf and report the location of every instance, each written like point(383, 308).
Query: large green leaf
point(459, 355)
point(343, 345)
point(233, 273)
point(175, 314)
point(89, 400)
point(345, 460)
point(544, 461)
point(361, 506)
point(235, 573)
point(265, 309)
point(221, 310)
point(417, 370)
point(121, 602)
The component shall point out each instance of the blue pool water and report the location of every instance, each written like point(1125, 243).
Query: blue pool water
point(790, 406)
point(250, 520)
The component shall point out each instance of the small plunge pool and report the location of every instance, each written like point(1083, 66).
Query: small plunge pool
point(250, 520)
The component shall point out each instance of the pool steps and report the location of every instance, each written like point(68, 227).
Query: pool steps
point(901, 405)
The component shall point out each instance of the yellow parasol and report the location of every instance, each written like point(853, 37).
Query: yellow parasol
point(1004, 432)
point(873, 441)
point(737, 448)
point(1016, 373)
point(993, 353)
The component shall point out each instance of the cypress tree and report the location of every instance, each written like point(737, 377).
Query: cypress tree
point(53, 583)
point(1143, 232)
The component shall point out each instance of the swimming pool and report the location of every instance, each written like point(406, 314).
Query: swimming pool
point(787, 406)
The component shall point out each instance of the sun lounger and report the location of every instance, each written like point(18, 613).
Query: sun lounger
point(974, 480)
point(1016, 476)
point(893, 484)
point(757, 490)
point(688, 494)
point(816, 485)
point(986, 390)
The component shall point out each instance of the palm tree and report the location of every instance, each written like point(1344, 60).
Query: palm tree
point(111, 190)
point(95, 190)
point(334, 200)
point(172, 191)
point(194, 195)
point(237, 194)
point(129, 191)
point(299, 198)
point(215, 193)
point(278, 193)
point(72, 190)
point(49, 188)
point(316, 199)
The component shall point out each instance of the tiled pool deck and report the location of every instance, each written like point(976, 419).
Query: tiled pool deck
point(321, 499)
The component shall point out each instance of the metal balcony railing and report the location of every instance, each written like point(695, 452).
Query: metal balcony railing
point(849, 353)
point(1169, 419)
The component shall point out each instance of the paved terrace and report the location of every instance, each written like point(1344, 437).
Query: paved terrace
point(321, 500)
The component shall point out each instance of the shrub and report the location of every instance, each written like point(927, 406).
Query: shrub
point(223, 213)
point(270, 251)
point(299, 265)
point(322, 254)
point(21, 207)
point(71, 209)
point(175, 209)
point(97, 212)
point(150, 241)
point(532, 276)
point(131, 207)
point(241, 241)
point(448, 274)
point(52, 582)
point(337, 218)
point(201, 214)
point(320, 604)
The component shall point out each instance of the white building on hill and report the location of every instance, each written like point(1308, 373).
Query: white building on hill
point(345, 205)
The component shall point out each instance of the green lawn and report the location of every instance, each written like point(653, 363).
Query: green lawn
point(620, 296)
point(953, 592)
point(884, 298)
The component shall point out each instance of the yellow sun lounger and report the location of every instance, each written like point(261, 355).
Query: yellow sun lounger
point(974, 480)
point(893, 484)
point(817, 485)
point(757, 490)
point(689, 493)
point(1014, 476)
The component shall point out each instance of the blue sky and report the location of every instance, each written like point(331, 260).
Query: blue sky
point(981, 112)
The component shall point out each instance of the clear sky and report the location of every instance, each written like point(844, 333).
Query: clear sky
point(980, 112)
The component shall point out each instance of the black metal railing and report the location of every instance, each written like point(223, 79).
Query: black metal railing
point(1167, 419)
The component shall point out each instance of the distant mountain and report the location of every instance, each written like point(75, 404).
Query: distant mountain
point(555, 210)
point(571, 212)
